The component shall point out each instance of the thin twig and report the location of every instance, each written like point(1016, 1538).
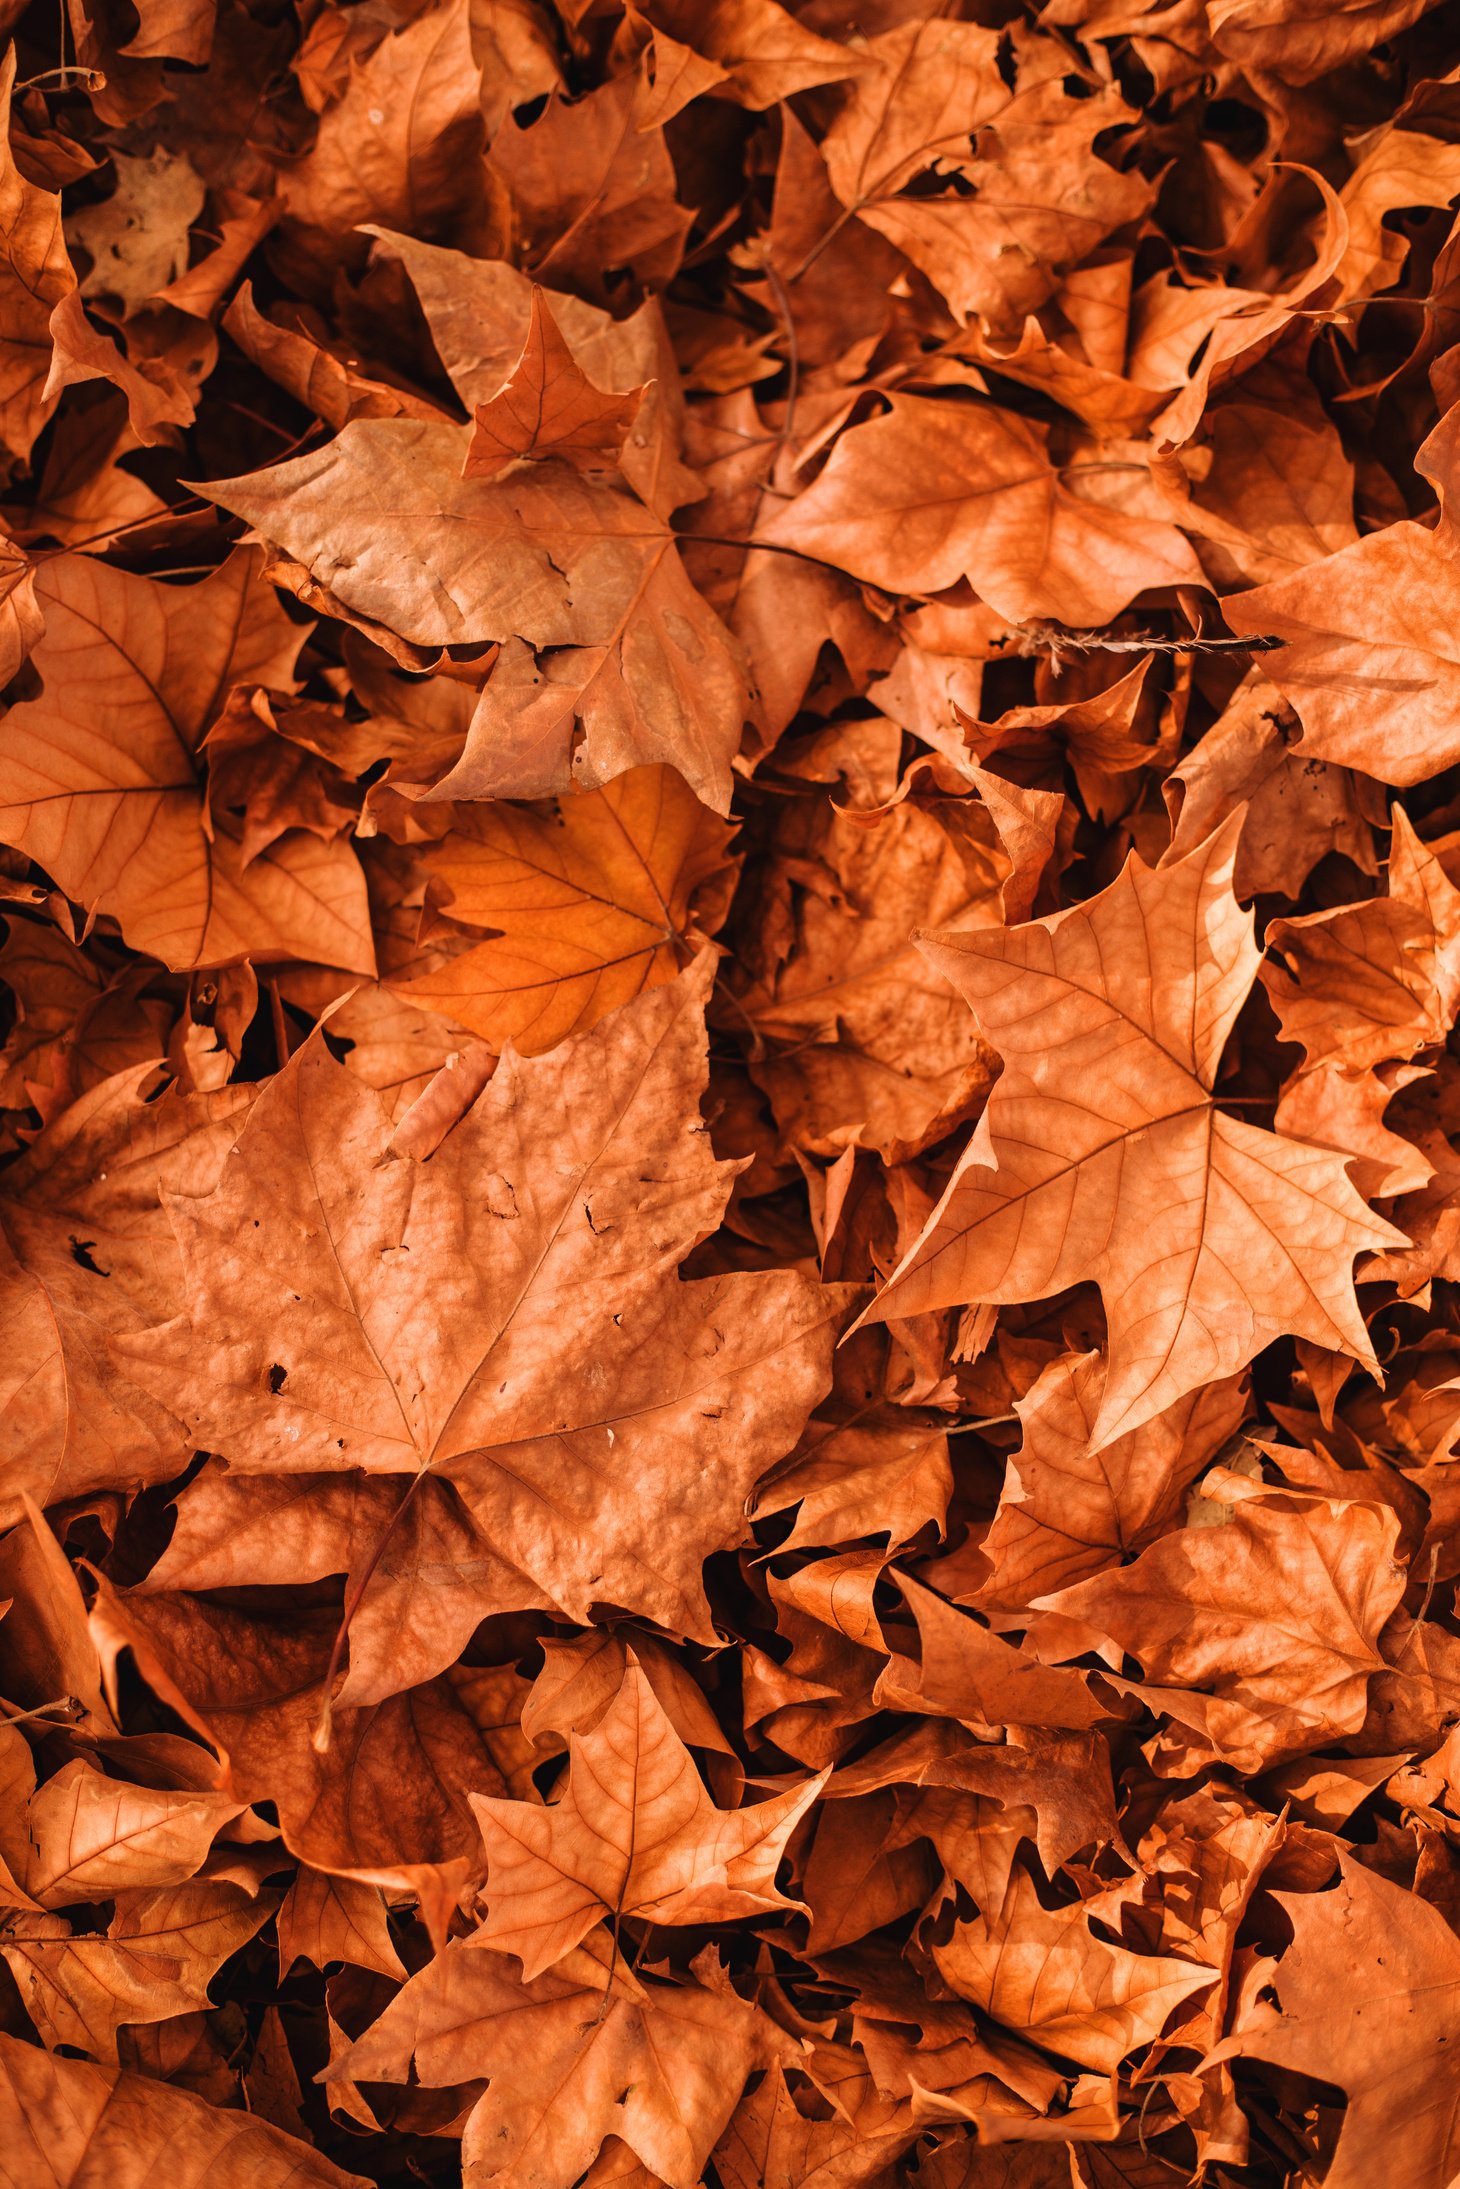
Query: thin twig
point(68, 1706)
point(1049, 638)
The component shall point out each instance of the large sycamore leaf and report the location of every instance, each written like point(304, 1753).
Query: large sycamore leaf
point(1103, 1154)
point(591, 901)
point(507, 1314)
point(1368, 1997)
point(569, 2061)
point(933, 492)
point(581, 572)
point(634, 1834)
point(72, 2125)
point(101, 779)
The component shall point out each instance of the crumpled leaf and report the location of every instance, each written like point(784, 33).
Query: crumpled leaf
point(659, 2067)
point(559, 562)
point(35, 273)
point(1381, 699)
point(101, 780)
point(1073, 1506)
point(1296, 1590)
point(1366, 1998)
point(93, 1835)
point(1362, 987)
point(155, 1959)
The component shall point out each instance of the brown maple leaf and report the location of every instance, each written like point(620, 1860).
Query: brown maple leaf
point(1045, 1973)
point(420, 1582)
point(479, 312)
point(507, 1315)
point(1103, 1153)
point(35, 273)
point(384, 1800)
point(68, 2118)
point(324, 1919)
point(87, 1254)
point(1272, 1617)
point(1368, 1996)
point(155, 1958)
point(1072, 1506)
point(92, 1836)
point(933, 492)
point(594, 194)
point(402, 142)
point(1363, 987)
point(592, 901)
point(935, 103)
point(101, 779)
point(633, 1836)
point(1381, 697)
point(584, 575)
point(548, 406)
point(568, 2063)
point(863, 1042)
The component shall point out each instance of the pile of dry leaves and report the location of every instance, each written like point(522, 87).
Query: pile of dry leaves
point(729, 1142)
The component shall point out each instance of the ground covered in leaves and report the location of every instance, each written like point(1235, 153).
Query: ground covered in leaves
point(731, 875)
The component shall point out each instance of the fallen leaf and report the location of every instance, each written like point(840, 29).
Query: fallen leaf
point(548, 406)
point(69, 2117)
point(633, 1837)
point(372, 1373)
point(556, 562)
point(933, 492)
point(1366, 1998)
point(1056, 1194)
point(102, 783)
point(1296, 1591)
point(659, 2067)
point(1045, 1973)
point(591, 902)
